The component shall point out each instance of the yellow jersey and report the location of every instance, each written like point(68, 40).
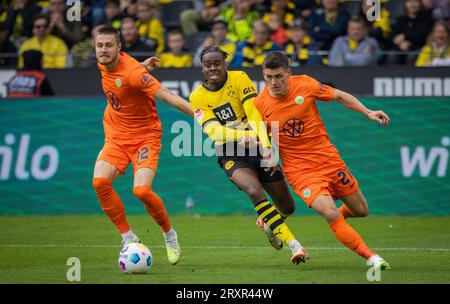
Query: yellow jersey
point(228, 113)
point(54, 51)
point(170, 60)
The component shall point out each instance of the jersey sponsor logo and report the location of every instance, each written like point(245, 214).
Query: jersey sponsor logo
point(306, 193)
point(113, 101)
point(293, 127)
point(249, 90)
point(225, 113)
point(146, 80)
point(299, 100)
point(229, 164)
point(198, 114)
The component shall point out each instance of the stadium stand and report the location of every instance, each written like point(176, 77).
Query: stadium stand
point(17, 16)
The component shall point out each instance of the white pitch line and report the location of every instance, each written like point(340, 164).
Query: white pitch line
point(219, 247)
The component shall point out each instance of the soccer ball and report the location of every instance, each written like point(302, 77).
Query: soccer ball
point(135, 258)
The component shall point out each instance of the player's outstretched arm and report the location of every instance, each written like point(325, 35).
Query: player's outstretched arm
point(174, 100)
point(151, 64)
point(354, 104)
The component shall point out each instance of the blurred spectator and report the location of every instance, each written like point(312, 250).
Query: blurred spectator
point(299, 47)
point(113, 15)
point(97, 8)
point(200, 17)
point(305, 7)
point(19, 18)
point(176, 56)
point(83, 52)
point(279, 34)
point(380, 28)
point(240, 18)
point(8, 51)
point(129, 8)
point(285, 8)
point(218, 38)
point(54, 49)
point(149, 27)
point(70, 31)
point(437, 50)
point(131, 43)
point(253, 51)
point(438, 9)
point(355, 49)
point(327, 23)
point(410, 31)
point(30, 81)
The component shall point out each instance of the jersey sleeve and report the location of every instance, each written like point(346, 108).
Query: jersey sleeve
point(202, 113)
point(321, 91)
point(141, 79)
point(248, 95)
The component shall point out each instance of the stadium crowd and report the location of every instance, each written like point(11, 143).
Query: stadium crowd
point(311, 32)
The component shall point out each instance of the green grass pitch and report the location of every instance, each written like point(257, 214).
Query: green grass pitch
point(222, 249)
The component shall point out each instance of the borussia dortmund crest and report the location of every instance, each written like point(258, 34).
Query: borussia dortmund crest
point(230, 92)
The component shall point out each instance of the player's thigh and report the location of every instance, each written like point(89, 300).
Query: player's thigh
point(111, 162)
point(145, 155)
point(324, 204)
point(281, 196)
point(143, 177)
point(104, 169)
point(247, 180)
point(357, 203)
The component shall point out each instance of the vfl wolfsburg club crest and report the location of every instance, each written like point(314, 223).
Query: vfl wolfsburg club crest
point(299, 100)
point(118, 82)
point(306, 193)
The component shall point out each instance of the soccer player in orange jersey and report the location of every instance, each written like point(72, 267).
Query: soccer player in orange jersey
point(132, 135)
point(312, 164)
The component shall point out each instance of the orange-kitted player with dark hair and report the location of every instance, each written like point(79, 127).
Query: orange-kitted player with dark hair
point(132, 135)
point(311, 163)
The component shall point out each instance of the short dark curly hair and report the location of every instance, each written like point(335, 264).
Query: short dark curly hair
point(213, 49)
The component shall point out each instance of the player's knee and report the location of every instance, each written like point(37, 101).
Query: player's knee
point(101, 185)
point(287, 209)
point(142, 192)
point(330, 214)
point(254, 192)
point(363, 211)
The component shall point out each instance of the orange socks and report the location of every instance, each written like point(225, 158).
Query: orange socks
point(154, 205)
point(349, 237)
point(346, 213)
point(111, 203)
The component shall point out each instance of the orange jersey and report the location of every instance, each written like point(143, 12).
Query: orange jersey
point(303, 140)
point(130, 92)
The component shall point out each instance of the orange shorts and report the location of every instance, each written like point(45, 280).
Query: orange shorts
point(142, 153)
point(331, 178)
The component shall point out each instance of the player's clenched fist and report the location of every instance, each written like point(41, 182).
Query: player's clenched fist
point(151, 63)
point(379, 116)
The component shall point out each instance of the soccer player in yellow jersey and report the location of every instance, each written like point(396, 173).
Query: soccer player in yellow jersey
point(223, 106)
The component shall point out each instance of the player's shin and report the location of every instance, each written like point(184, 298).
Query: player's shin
point(154, 205)
point(111, 203)
point(350, 238)
point(274, 221)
